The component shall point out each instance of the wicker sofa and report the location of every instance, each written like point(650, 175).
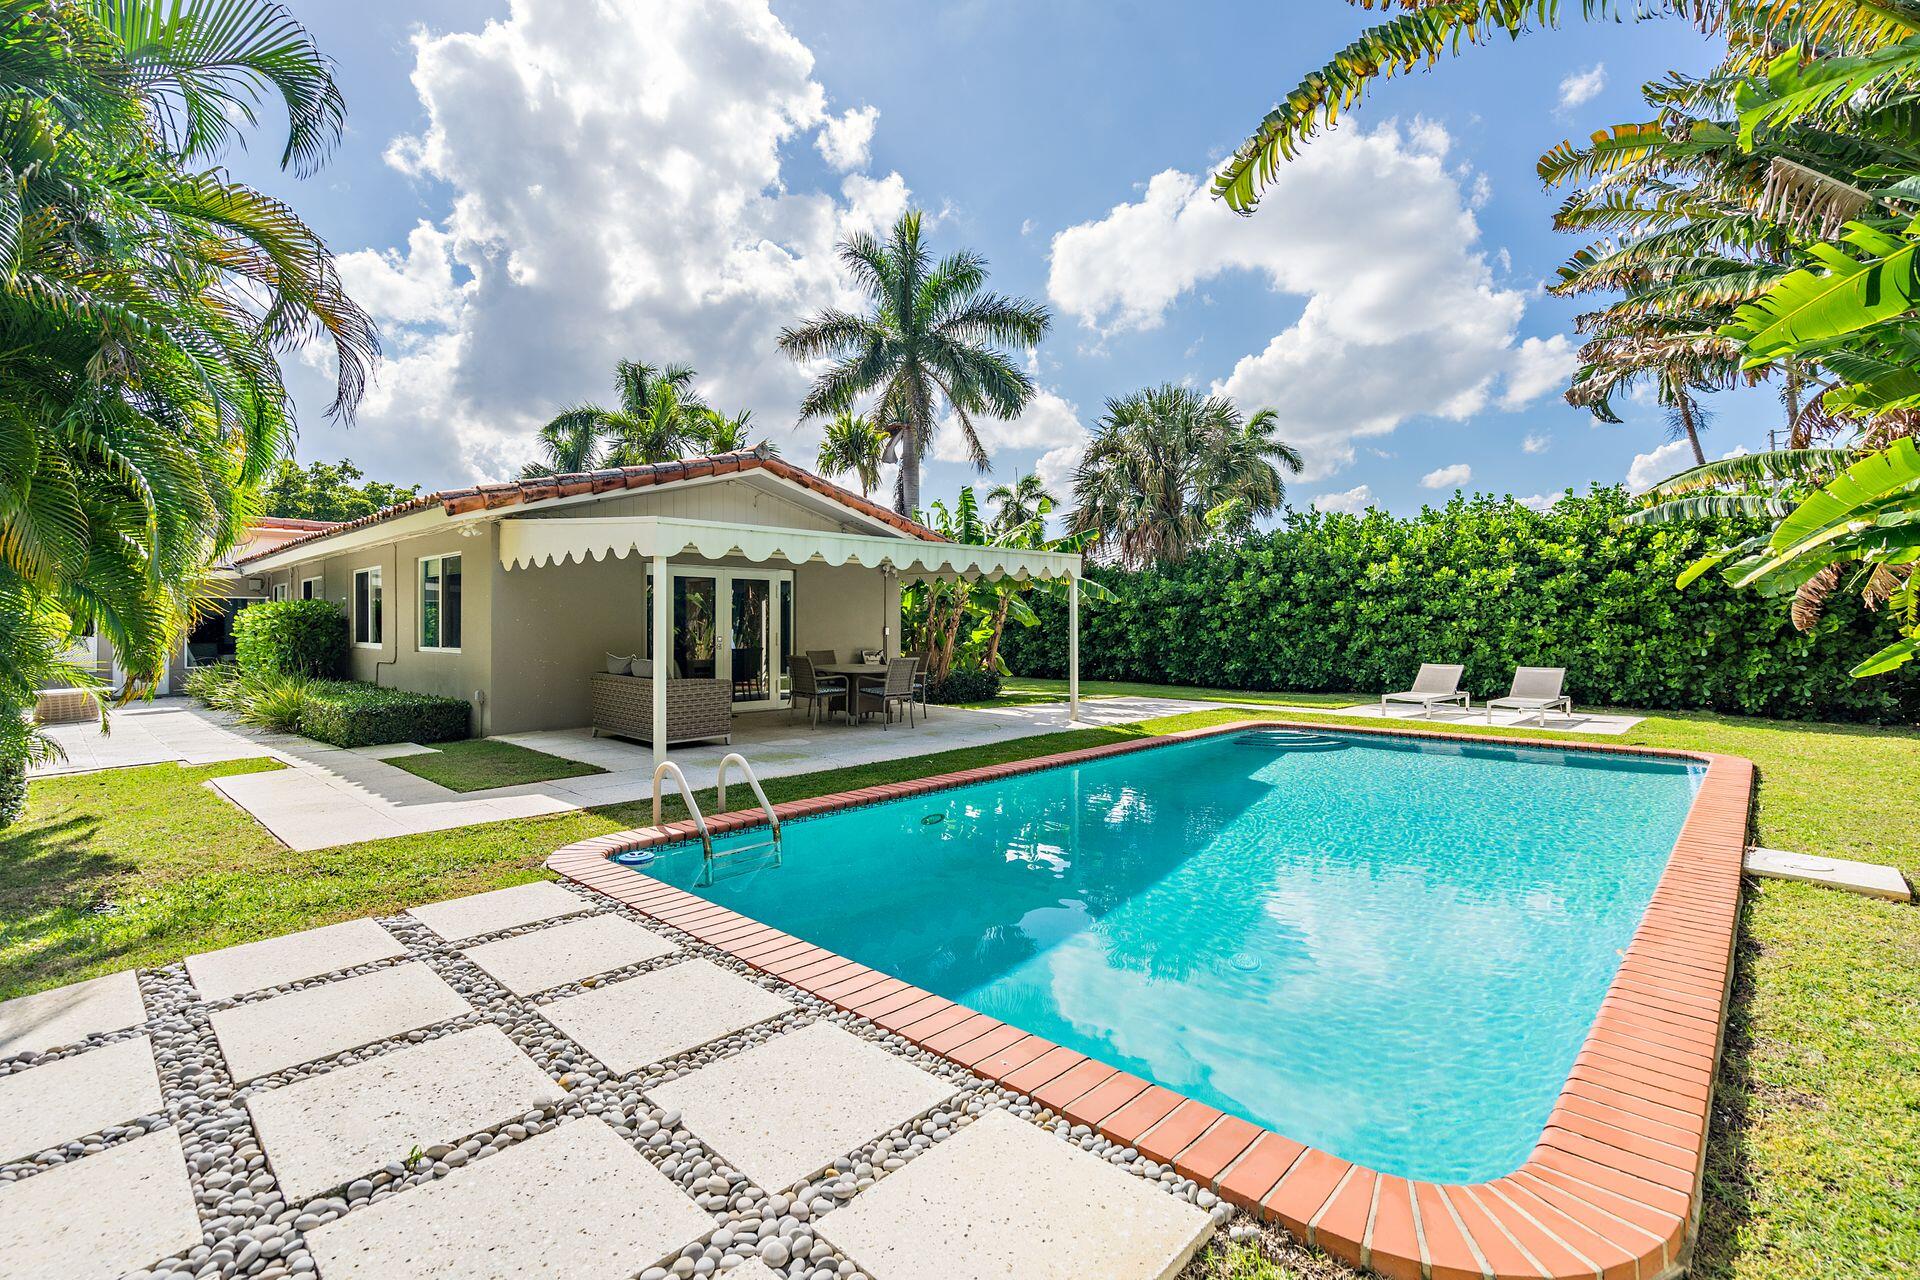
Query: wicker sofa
point(696, 709)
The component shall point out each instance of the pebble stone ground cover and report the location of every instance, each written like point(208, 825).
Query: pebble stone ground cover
point(531, 1082)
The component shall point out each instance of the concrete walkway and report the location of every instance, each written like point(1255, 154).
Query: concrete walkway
point(327, 796)
point(533, 1083)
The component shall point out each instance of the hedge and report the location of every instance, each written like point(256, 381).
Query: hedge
point(1332, 602)
point(351, 713)
point(291, 637)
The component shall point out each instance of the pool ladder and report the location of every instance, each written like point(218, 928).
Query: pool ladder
point(712, 861)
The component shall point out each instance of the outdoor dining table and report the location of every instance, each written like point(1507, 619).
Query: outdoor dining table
point(853, 671)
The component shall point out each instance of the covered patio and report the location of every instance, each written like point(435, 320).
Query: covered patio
point(742, 598)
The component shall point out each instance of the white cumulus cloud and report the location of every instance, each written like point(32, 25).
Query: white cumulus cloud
point(846, 140)
point(1402, 316)
point(1540, 366)
point(1536, 443)
point(1353, 500)
point(615, 188)
point(1582, 87)
point(1447, 477)
point(1539, 501)
point(1649, 469)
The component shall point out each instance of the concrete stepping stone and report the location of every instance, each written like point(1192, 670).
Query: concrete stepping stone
point(273, 962)
point(323, 1132)
point(119, 1210)
point(458, 919)
point(68, 1015)
point(59, 1101)
point(286, 1030)
point(643, 1020)
point(576, 1203)
point(1003, 1198)
point(567, 953)
point(787, 1109)
point(1871, 879)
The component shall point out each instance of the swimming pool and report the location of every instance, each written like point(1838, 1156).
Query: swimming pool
point(1389, 948)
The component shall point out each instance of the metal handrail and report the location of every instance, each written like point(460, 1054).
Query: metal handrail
point(686, 794)
point(773, 819)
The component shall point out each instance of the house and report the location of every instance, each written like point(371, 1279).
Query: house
point(514, 595)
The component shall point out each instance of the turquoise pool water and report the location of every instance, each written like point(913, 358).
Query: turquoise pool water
point(1386, 948)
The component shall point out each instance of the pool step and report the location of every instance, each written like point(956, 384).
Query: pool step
point(1291, 740)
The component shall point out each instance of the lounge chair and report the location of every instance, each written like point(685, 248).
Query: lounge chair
point(1536, 691)
point(1437, 684)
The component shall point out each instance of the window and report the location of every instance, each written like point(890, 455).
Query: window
point(313, 588)
point(366, 608)
point(279, 591)
point(440, 603)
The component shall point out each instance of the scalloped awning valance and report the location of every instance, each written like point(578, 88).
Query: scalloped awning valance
point(526, 542)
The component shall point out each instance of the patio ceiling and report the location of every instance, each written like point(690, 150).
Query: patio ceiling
point(525, 542)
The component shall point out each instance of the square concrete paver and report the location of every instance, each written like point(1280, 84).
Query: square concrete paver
point(567, 953)
point(1003, 1198)
point(57, 1102)
point(577, 1202)
point(660, 1014)
point(789, 1108)
point(101, 1216)
point(255, 966)
point(68, 1015)
point(460, 918)
point(283, 1031)
point(331, 1128)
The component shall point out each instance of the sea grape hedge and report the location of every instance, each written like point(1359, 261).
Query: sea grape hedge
point(1336, 602)
point(291, 637)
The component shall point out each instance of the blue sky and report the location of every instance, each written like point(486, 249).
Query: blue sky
point(531, 190)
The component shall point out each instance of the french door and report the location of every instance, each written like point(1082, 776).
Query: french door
point(732, 625)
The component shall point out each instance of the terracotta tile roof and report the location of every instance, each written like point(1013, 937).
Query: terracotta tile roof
point(293, 522)
point(608, 480)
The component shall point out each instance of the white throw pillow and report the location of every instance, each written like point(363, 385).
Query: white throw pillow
point(617, 665)
point(643, 667)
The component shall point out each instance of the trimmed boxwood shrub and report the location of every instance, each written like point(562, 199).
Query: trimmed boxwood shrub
point(1341, 603)
point(351, 713)
point(966, 684)
point(291, 637)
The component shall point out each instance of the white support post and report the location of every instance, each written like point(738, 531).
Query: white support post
point(662, 650)
point(1073, 647)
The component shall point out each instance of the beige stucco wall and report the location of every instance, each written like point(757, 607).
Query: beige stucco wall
point(553, 626)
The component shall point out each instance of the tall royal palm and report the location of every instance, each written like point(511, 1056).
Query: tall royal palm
point(931, 336)
point(1169, 470)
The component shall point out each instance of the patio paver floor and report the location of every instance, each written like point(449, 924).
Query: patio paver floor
point(328, 1129)
point(271, 962)
point(68, 1015)
point(1004, 1199)
point(466, 1135)
point(72, 1097)
point(785, 1109)
point(316, 1022)
point(568, 952)
point(461, 918)
point(576, 1202)
point(661, 1014)
point(100, 1217)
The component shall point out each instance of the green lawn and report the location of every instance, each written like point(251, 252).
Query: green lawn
point(1021, 690)
point(1814, 1167)
point(478, 764)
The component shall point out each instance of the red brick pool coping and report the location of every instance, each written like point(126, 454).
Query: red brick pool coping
point(1610, 1191)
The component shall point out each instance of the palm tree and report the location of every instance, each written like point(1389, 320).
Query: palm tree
point(720, 434)
point(928, 337)
point(147, 299)
point(1169, 470)
point(852, 444)
point(657, 414)
point(1020, 503)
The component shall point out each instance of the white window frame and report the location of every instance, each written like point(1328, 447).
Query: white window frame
point(282, 592)
point(376, 589)
point(420, 600)
point(319, 586)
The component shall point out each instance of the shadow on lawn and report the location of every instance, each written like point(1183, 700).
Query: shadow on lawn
point(1727, 1190)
